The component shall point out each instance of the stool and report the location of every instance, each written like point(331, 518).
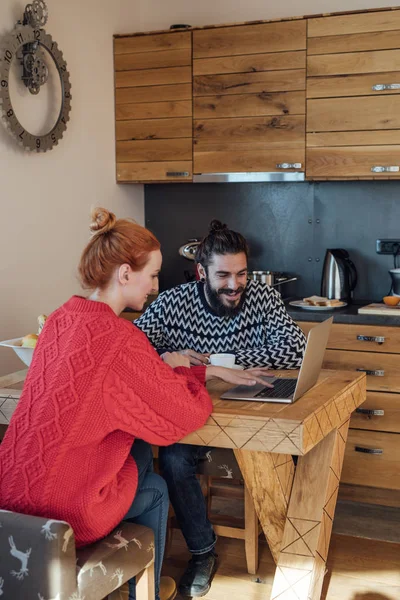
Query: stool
point(39, 560)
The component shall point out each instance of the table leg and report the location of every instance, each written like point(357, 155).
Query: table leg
point(268, 478)
point(301, 564)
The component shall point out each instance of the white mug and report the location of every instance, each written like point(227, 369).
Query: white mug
point(222, 360)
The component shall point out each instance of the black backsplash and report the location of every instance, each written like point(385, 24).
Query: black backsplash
point(288, 226)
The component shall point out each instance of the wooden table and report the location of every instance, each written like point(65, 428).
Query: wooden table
point(295, 505)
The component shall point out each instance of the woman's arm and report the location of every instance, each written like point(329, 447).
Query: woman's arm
point(146, 397)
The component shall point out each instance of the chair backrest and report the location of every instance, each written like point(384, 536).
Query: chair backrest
point(28, 546)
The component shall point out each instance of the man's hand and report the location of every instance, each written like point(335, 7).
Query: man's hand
point(249, 377)
point(175, 359)
point(195, 358)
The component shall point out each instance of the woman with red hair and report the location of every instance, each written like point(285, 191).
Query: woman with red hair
point(97, 395)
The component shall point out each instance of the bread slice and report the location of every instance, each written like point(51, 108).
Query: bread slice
point(316, 300)
point(321, 301)
point(333, 302)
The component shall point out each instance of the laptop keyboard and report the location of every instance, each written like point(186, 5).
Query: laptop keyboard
point(283, 388)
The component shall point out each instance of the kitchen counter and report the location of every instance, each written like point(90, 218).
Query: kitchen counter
point(348, 315)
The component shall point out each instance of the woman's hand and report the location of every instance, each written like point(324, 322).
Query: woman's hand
point(236, 377)
point(175, 359)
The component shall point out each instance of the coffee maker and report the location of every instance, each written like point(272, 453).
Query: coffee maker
point(339, 275)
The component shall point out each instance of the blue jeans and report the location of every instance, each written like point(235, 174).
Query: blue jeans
point(149, 507)
point(178, 464)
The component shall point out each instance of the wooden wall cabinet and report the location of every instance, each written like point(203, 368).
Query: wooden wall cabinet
point(249, 98)
point(353, 96)
point(319, 95)
point(153, 107)
point(371, 469)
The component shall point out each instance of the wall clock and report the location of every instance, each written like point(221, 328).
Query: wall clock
point(31, 47)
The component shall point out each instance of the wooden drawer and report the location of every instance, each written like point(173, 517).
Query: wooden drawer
point(388, 364)
point(389, 421)
point(346, 337)
point(374, 470)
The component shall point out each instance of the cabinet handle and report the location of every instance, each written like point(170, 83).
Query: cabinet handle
point(177, 174)
point(368, 450)
point(388, 169)
point(380, 87)
point(288, 165)
point(370, 412)
point(371, 338)
point(377, 373)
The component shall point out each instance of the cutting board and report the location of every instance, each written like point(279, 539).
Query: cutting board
point(380, 309)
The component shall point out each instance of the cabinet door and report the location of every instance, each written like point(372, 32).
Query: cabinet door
point(353, 96)
point(153, 107)
point(249, 98)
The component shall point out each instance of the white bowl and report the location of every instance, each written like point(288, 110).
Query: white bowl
point(25, 354)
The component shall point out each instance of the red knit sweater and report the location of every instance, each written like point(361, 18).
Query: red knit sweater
point(94, 385)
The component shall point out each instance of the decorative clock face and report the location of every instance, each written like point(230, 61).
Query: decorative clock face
point(23, 44)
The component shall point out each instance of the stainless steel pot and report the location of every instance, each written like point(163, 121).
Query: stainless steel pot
point(271, 278)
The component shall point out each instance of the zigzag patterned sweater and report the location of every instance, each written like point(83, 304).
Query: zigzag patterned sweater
point(262, 334)
point(94, 385)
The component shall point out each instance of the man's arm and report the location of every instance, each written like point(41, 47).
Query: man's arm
point(152, 324)
point(285, 342)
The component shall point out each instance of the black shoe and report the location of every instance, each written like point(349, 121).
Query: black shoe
point(196, 580)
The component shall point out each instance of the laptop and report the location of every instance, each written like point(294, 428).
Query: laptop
point(288, 390)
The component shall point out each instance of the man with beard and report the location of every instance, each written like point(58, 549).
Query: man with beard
point(223, 312)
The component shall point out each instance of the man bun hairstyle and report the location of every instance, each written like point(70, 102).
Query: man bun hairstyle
point(114, 242)
point(220, 240)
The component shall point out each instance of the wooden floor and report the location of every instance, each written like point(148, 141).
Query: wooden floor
point(358, 569)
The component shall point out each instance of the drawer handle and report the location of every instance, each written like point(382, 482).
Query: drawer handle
point(371, 412)
point(177, 174)
point(371, 338)
point(388, 169)
point(286, 165)
point(377, 373)
point(380, 87)
point(368, 450)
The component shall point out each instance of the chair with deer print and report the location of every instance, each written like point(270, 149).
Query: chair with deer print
point(39, 561)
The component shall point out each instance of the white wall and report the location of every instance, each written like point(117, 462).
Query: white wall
point(45, 198)
point(160, 14)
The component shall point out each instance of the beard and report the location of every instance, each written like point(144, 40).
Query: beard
point(214, 298)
